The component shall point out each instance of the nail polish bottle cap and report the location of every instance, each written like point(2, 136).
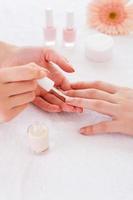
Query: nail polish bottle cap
point(46, 83)
point(49, 17)
point(70, 19)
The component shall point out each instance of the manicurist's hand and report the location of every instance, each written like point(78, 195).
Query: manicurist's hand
point(45, 57)
point(108, 99)
point(17, 88)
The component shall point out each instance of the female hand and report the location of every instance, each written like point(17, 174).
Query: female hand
point(17, 89)
point(43, 57)
point(107, 99)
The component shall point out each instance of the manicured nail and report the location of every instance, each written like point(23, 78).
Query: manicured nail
point(69, 65)
point(82, 131)
point(68, 99)
point(76, 110)
point(56, 110)
point(79, 110)
point(72, 69)
point(67, 108)
point(43, 73)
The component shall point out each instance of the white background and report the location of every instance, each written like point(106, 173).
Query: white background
point(75, 167)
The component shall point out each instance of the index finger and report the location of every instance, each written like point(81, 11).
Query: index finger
point(22, 73)
point(100, 106)
point(107, 87)
point(52, 56)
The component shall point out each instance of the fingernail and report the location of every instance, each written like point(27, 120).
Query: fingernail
point(56, 110)
point(82, 130)
point(68, 99)
point(79, 110)
point(43, 73)
point(72, 69)
point(67, 108)
point(75, 110)
point(67, 94)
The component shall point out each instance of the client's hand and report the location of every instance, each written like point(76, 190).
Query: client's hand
point(44, 57)
point(108, 99)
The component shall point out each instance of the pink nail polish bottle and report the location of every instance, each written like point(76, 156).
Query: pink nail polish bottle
point(49, 30)
point(69, 33)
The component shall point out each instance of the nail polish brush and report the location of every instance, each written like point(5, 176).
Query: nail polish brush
point(48, 85)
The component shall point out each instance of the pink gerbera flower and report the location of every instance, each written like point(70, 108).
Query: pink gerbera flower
point(112, 17)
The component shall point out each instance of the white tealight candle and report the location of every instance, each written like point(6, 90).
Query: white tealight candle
point(38, 137)
point(99, 47)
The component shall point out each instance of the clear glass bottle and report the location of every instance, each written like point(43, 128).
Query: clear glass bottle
point(69, 32)
point(50, 29)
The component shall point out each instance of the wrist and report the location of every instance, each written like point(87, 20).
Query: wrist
point(5, 51)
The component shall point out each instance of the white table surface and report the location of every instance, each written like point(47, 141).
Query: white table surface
point(75, 167)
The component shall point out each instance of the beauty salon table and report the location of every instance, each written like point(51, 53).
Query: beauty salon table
point(75, 167)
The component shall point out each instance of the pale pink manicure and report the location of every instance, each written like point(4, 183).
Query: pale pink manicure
point(82, 131)
point(67, 108)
